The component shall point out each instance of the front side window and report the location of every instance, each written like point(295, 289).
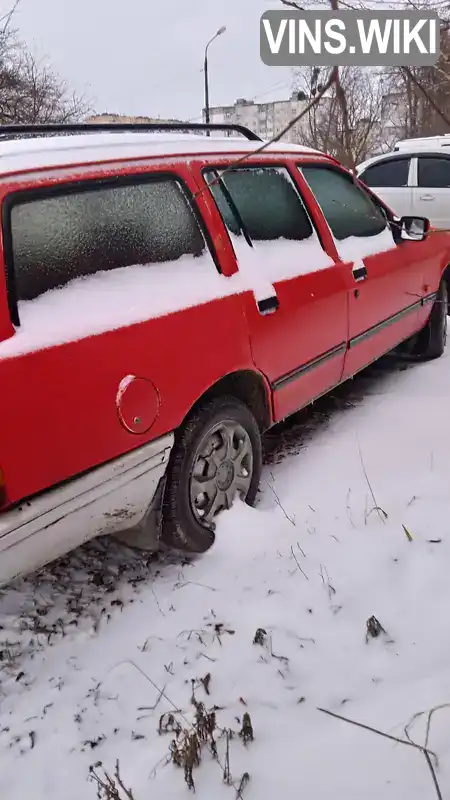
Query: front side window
point(262, 202)
point(348, 210)
point(392, 173)
point(78, 233)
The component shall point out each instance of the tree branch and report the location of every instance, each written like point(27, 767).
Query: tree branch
point(291, 123)
point(426, 94)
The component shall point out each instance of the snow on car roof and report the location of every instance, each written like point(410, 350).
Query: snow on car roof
point(17, 155)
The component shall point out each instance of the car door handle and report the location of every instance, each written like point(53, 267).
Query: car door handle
point(427, 197)
point(269, 305)
point(359, 273)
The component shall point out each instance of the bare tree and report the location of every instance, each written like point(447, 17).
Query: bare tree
point(337, 84)
point(30, 91)
point(44, 97)
point(351, 138)
point(367, 110)
point(420, 96)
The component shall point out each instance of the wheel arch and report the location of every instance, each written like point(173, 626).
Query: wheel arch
point(248, 386)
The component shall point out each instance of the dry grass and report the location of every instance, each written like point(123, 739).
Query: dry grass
point(187, 749)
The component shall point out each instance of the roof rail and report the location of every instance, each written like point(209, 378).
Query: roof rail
point(91, 127)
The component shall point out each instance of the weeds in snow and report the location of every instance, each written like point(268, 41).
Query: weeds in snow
point(246, 732)
point(109, 788)
point(407, 533)
point(374, 628)
point(187, 748)
point(325, 578)
point(408, 742)
point(244, 780)
point(278, 501)
point(260, 638)
point(297, 561)
point(380, 511)
point(189, 741)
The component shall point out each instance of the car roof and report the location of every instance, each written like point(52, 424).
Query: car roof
point(33, 153)
point(405, 145)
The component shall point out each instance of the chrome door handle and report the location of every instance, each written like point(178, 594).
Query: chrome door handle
point(427, 197)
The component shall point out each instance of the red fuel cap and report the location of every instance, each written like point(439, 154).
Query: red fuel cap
point(137, 403)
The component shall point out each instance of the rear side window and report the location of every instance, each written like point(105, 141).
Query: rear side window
point(389, 174)
point(262, 201)
point(433, 172)
point(348, 210)
point(56, 239)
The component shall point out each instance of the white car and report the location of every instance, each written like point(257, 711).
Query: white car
point(414, 179)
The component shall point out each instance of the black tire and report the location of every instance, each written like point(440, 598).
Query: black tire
point(181, 530)
point(431, 340)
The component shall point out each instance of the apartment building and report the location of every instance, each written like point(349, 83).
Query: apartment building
point(264, 119)
point(121, 118)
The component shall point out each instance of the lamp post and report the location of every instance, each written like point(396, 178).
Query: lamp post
point(205, 70)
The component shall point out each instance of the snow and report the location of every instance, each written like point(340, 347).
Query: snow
point(129, 295)
point(354, 248)
point(88, 644)
point(116, 298)
point(267, 263)
point(56, 151)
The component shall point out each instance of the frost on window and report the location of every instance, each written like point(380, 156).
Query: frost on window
point(347, 209)
point(266, 201)
point(66, 236)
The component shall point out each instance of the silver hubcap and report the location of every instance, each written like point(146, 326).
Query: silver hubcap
point(223, 468)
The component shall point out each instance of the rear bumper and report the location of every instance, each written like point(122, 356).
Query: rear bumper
point(110, 499)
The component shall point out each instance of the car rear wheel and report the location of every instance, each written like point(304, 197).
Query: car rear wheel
point(216, 458)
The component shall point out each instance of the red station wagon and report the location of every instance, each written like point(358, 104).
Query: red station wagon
point(165, 298)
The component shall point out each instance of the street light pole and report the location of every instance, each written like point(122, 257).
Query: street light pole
point(205, 70)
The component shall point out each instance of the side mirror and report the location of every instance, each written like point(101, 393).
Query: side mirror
point(414, 229)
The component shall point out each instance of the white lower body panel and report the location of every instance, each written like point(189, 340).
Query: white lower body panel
point(107, 500)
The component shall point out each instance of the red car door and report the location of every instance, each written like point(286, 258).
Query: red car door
point(297, 308)
point(104, 364)
point(387, 279)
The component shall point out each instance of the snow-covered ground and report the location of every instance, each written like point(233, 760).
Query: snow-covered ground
point(353, 522)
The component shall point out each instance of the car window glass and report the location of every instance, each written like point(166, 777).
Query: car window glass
point(433, 172)
point(224, 202)
point(264, 199)
point(391, 173)
point(346, 207)
point(56, 239)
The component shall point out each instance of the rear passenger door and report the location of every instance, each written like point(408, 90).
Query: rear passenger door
point(109, 279)
point(431, 195)
point(387, 278)
point(389, 179)
point(297, 311)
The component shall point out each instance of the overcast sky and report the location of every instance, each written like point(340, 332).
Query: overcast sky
point(146, 56)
